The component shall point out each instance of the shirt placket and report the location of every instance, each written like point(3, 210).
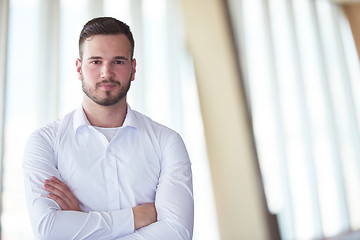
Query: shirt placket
point(112, 183)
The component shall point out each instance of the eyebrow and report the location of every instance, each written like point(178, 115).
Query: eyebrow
point(116, 57)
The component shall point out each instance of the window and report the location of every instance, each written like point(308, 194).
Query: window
point(301, 72)
point(20, 104)
point(165, 88)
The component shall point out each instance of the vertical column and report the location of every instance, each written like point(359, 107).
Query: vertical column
point(138, 96)
point(238, 189)
point(4, 10)
point(48, 91)
point(95, 8)
point(352, 11)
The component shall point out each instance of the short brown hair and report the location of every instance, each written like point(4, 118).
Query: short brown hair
point(105, 26)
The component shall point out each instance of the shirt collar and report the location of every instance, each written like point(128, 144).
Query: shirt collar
point(80, 119)
point(131, 120)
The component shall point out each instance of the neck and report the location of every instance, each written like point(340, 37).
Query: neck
point(105, 116)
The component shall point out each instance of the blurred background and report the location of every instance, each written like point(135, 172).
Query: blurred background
point(265, 93)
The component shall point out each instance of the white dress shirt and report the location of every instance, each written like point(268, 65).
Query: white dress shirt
point(144, 162)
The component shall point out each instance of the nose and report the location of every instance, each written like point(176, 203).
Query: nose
point(106, 71)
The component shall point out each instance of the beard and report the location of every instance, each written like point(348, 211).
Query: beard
point(110, 99)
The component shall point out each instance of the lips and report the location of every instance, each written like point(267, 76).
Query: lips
point(106, 85)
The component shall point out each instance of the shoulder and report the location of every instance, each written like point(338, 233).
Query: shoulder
point(40, 149)
point(166, 142)
point(148, 125)
point(164, 138)
point(48, 133)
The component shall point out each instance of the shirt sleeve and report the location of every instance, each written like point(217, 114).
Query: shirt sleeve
point(47, 219)
point(174, 196)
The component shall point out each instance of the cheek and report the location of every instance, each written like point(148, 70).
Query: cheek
point(89, 74)
point(124, 73)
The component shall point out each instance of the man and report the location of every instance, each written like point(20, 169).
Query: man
point(105, 171)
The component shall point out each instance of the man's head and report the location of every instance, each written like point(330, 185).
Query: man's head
point(104, 26)
point(106, 65)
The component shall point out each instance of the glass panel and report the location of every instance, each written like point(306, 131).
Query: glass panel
point(20, 113)
point(351, 159)
point(72, 18)
point(295, 119)
point(319, 108)
point(333, 205)
point(168, 93)
point(119, 9)
point(301, 73)
point(257, 53)
point(262, 99)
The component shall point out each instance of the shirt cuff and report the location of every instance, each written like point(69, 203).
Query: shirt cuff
point(123, 222)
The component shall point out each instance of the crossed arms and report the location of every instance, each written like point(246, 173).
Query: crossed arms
point(144, 214)
point(54, 210)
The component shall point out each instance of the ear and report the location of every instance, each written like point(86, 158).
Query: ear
point(78, 68)
point(133, 65)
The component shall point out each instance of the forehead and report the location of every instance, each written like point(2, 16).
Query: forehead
point(100, 45)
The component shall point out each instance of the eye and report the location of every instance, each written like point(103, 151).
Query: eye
point(95, 62)
point(119, 62)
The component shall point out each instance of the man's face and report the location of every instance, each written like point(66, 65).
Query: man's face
point(106, 68)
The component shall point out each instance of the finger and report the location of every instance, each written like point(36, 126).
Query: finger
point(56, 180)
point(54, 186)
point(63, 193)
point(65, 189)
point(56, 191)
point(62, 200)
point(63, 205)
point(59, 184)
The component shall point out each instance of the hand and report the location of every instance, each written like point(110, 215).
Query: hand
point(144, 215)
point(61, 194)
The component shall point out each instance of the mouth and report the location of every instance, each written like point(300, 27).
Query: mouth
point(108, 85)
